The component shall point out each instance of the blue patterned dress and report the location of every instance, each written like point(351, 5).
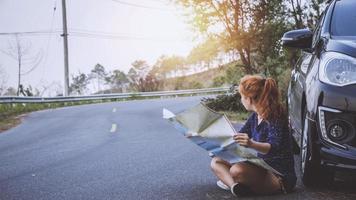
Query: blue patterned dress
point(280, 156)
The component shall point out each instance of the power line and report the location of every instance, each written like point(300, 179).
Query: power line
point(29, 33)
point(121, 37)
point(47, 46)
point(78, 30)
point(36, 63)
point(163, 1)
point(92, 34)
point(49, 39)
point(45, 32)
point(142, 6)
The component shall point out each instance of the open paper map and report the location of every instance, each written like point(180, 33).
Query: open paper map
point(213, 132)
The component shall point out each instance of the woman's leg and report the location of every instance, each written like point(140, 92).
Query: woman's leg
point(221, 169)
point(258, 179)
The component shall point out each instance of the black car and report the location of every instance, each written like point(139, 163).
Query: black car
point(322, 92)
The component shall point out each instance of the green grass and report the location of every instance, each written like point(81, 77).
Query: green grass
point(9, 122)
point(9, 112)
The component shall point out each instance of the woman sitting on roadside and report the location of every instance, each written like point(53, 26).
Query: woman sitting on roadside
point(266, 131)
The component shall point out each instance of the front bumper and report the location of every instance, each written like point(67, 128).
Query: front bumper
point(338, 107)
point(337, 158)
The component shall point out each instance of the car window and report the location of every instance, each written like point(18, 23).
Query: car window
point(343, 21)
point(316, 34)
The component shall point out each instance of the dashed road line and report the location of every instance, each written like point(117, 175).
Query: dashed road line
point(113, 128)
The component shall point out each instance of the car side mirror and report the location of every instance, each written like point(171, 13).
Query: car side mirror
point(300, 39)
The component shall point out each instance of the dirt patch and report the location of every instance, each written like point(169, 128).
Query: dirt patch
point(10, 122)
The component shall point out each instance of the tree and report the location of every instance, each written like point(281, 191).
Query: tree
point(218, 81)
point(10, 92)
point(195, 85)
point(148, 84)
point(99, 74)
point(167, 65)
point(205, 53)
point(28, 91)
point(79, 84)
point(21, 91)
point(53, 88)
point(141, 67)
point(137, 72)
point(160, 70)
point(57, 88)
point(241, 25)
point(3, 80)
point(296, 11)
point(20, 51)
point(305, 13)
point(117, 79)
point(132, 75)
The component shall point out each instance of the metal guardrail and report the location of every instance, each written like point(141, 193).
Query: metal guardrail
point(16, 99)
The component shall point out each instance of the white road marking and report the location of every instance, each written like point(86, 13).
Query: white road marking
point(114, 110)
point(113, 128)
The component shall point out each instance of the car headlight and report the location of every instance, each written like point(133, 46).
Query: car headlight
point(337, 69)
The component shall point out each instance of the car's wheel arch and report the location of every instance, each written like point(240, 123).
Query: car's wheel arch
point(312, 133)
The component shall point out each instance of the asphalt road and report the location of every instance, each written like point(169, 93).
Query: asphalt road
point(122, 150)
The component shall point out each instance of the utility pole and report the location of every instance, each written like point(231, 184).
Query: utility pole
point(19, 59)
point(65, 43)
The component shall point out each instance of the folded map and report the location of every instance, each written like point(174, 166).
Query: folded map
point(213, 132)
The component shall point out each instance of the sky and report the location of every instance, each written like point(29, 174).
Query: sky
point(135, 29)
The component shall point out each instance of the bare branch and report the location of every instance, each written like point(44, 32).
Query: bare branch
point(222, 17)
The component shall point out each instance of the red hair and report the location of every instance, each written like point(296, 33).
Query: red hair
point(264, 94)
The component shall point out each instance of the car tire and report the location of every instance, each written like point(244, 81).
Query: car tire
point(295, 146)
point(312, 173)
point(309, 168)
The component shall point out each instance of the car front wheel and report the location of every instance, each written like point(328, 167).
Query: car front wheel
point(312, 172)
point(309, 168)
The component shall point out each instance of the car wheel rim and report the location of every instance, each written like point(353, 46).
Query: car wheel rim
point(304, 144)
